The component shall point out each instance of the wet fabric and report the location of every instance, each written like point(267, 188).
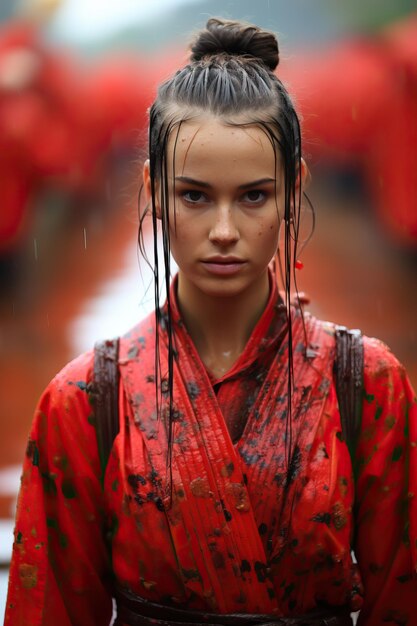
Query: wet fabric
point(134, 610)
point(239, 533)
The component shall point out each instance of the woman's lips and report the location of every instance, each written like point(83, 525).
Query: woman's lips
point(223, 267)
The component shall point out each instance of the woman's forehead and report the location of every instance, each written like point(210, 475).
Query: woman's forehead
point(203, 141)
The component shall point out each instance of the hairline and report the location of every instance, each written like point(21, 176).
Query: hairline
point(175, 117)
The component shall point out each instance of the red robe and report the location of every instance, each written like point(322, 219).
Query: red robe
point(234, 539)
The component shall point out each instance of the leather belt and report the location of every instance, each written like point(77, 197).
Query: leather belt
point(132, 610)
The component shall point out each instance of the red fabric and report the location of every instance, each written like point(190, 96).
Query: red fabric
point(234, 538)
point(38, 122)
point(119, 92)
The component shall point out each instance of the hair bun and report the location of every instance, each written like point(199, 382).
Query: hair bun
point(235, 39)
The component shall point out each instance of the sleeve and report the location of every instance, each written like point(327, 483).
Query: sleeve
point(386, 492)
point(59, 568)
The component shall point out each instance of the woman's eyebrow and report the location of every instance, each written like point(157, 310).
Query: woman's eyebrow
point(192, 181)
point(255, 183)
point(200, 183)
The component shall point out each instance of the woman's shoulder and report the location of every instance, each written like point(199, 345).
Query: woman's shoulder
point(69, 391)
point(381, 367)
point(378, 357)
point(78, 374)
point(384, 376)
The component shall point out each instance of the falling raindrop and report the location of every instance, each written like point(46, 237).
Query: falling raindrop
point(85, 238)
point(47, 320)
point(35, 249)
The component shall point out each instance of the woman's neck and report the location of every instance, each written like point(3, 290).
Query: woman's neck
point(221, 326)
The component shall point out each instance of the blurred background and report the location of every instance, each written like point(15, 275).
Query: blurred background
point(76, 78)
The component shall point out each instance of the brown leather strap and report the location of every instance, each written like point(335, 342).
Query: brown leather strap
point(106, 397)
point(133, 610)
point(349, 383)
point(349, 387)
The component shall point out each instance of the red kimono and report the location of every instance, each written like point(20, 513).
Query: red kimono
point(235, 537)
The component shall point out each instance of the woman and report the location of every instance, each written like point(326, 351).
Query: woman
point(229, 493)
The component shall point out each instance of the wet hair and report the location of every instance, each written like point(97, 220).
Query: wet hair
point(230, 76)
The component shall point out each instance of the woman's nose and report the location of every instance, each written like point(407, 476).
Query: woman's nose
point(224, 230)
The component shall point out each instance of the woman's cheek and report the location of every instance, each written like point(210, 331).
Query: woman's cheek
point(268, 231)
point(272, 238)
point(181, 232)
point(177, 225)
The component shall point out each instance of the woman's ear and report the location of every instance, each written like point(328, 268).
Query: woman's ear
point(305, 177)
point(148, 190)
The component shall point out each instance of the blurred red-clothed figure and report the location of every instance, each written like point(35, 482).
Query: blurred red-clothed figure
point(360, 100)
point(61, 126)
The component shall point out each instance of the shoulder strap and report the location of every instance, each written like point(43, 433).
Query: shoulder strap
point(106, 397)
point(348, 369)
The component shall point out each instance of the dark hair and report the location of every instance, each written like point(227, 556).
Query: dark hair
point(230, 75)
point(235, 39)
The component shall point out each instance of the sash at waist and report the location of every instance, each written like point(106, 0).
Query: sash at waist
point(132, 610)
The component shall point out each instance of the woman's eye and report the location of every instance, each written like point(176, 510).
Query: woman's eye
point(194, 197)
point(254, 196)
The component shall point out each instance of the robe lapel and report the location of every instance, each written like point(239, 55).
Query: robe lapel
point(211, 523)
point(217, 507)
point(275, 488)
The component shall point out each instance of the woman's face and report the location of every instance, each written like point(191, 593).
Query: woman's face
point(227, 191)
